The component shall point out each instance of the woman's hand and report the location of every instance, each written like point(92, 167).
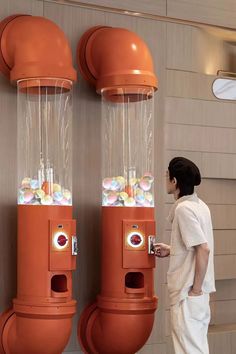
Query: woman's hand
point(161, 250)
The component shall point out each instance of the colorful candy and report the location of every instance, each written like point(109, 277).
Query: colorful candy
point(134, 192)
point(31, 192)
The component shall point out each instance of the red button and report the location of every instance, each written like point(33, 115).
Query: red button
point(62, 240)
point(135, 239)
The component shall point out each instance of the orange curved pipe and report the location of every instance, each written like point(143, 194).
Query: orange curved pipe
point(42, 309)
point(41, 317)
point(109, 58)
point(121, 319)
point(34, 47)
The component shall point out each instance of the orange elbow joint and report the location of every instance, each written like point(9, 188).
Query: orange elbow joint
point(34, 47)
point(111, 58)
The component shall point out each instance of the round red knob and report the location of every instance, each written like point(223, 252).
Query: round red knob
point(62, 240)
point(135, 239)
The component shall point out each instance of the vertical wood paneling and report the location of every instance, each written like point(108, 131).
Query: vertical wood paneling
point(217, 12)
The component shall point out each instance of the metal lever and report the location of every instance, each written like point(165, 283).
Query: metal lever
point(74, 246)
point(151, 241)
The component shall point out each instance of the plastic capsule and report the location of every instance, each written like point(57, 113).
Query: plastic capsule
point(39, 193)
point(47, 200)
point(26, 182)
point(106, 183)
point(144, 184)
point(148, 196)
point(129, 202)
point(56, 187)
point(28, 196)
point(149, 177)
point(67, 194)
point(34, 183)
point(112, 198)
point(123, 196)
point(57, 196)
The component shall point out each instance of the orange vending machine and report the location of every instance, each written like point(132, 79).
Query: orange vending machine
point(36, 56)
point(119, 64)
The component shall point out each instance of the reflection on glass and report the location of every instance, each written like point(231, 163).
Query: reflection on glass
point(224, 89)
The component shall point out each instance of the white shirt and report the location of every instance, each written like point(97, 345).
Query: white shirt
point(191, 226)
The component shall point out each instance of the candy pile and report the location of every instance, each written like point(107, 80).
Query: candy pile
point(31, 193)
point(116, 192)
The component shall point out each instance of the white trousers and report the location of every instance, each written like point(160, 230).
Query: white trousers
point(189, 325)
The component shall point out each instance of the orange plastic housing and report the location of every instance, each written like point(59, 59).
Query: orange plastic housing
point(121, 319)
point(43, 307)
point(34, 47)
point(41, 318)
point(109, 58)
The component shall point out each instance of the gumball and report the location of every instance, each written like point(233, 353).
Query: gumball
point(129, 202)
point(145, 184)
point(64, 201)
point(56, 187)
point(115, 186)
point(21, 199)
point(67, 194)
point(140, 198)
point(57, 196)
point(133, 181)
point(47, 200)
point(111, 198)
point(26, 182)
point(123, 196)
point(148, 196)
point(39, 193)
point(28, 196)
point(148, 176)
point(34, 183)
point(106, 183)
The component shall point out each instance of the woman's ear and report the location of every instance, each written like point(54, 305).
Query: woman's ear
point(175, 181)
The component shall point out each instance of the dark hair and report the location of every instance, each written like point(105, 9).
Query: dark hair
point(186, 173)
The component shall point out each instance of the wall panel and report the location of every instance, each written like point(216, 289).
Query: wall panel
point(217, 12)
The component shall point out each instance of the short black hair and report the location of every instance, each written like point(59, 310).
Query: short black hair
point(186, 173)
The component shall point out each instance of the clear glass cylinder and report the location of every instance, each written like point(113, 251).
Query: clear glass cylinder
point(44, 116)
point(127, 147)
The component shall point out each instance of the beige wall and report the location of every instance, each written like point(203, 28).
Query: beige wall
point(189, 121)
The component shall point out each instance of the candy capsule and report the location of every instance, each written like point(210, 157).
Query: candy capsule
point(147, 203)
point(26, 182)
point(21, 199)
point(121, 180)
point(111, 198)
point(129, 202)
point(123, 196)
point(106, 183)
point(115, 186)
point(57, 196)
point(105, 193)
point(47, 200)
point(56, 187)
point(34, 183)
point(148, 176)
point(65, 201)
point(145, 184)
point(39, 193)
point(148, 196)
point(67, 194)
point(28, 196)
point(140, 198)
point(133, 181)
